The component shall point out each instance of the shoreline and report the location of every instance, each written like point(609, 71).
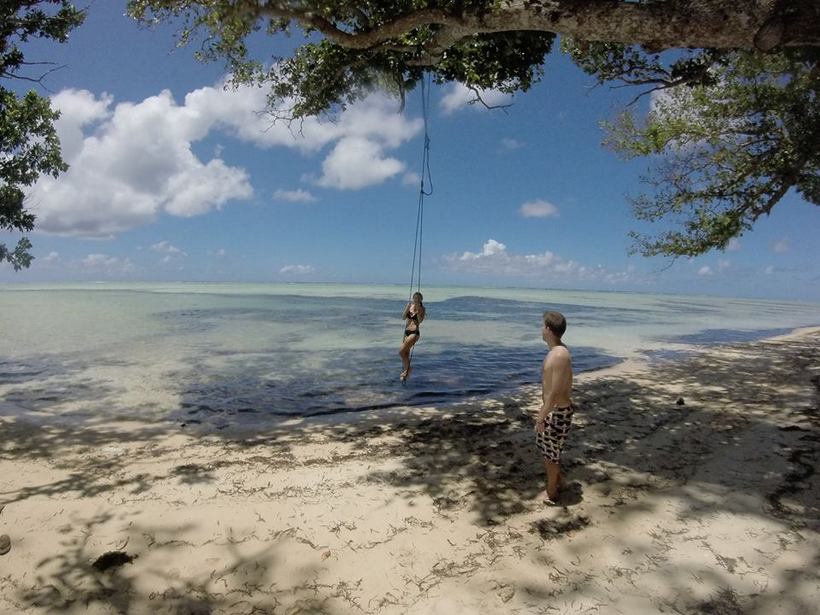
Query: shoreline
point(710, 505)
point(626, 367)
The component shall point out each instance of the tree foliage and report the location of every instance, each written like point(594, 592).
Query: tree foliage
point(337, 66)
point(734, 129)
point(29, 145)
point(725, 146)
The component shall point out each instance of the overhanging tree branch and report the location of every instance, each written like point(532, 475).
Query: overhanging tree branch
point(761, 25)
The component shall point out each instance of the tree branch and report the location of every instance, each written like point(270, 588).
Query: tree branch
point(660, 25)
point(365, 39)
point(39, 80)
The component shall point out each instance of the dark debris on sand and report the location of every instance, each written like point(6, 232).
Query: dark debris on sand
point(112, 559)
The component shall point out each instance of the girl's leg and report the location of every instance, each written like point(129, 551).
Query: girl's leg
point(404, 353)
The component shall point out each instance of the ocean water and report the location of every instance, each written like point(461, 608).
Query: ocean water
point(231, 354)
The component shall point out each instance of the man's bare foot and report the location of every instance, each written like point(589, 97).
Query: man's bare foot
point(549, 501)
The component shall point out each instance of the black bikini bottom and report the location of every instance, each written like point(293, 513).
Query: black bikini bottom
point(408, 332)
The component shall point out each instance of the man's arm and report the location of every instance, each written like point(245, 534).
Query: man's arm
point(546, 393)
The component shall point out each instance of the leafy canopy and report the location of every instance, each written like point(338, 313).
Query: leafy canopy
point(29, 145)
point(729, 133)
point(732, 128)
point(337, 64)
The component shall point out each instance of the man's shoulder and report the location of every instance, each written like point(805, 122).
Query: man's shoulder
point(559, 353)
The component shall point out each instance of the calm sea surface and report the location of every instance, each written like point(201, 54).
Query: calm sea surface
point(224, 354)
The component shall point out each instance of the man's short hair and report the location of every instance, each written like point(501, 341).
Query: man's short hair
point(555, 322)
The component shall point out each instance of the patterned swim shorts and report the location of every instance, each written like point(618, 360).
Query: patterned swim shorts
point(551, 441)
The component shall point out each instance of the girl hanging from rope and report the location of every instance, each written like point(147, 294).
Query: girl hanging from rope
point(414, 311)
point(414, 315)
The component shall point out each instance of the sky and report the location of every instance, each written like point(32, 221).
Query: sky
point(175, 178)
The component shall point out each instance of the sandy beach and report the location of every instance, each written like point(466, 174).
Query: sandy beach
point(709, 505)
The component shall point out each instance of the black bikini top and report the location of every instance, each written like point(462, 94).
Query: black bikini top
point(413, 316)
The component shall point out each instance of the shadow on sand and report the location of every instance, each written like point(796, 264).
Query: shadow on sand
point(481, 460)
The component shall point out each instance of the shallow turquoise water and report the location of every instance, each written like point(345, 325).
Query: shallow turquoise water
point(228, 353)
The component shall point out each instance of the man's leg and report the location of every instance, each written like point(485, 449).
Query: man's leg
point(554, 481)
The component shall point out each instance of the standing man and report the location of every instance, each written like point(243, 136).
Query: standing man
point(554, 419)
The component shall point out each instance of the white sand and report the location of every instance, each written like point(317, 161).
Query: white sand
point(711, 506)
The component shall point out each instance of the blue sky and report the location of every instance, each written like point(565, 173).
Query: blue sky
point(174, 178)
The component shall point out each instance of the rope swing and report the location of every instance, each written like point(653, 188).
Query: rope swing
point(415, 269)
point(425, 173)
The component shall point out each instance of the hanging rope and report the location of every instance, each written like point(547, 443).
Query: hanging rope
point(425, 173)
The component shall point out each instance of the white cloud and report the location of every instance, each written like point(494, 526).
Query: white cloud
point(377, 119)
point(411, 179)
point(495, 259)
point(297, 269)
point(733, 245)
point(96, 260)
point(238, 111)
point(620, 276)
point(51, 257)
point(220, 252)
point(538, 209)
point(356, 162)
point(294, 196)
point(490, 248)
point(723, 264)
point(201, 188)
point(133, 161)
point(769, 270)
point(362, 133)
point(706, 270)
point(511, 144)
point(103, 263)
point(781, 246)
point(460, 96)
point(165, 247)
point(78, 109)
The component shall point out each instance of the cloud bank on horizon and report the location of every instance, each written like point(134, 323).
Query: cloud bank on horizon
point(495, 259)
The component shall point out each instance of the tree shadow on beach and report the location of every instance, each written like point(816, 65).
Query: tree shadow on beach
point(240, 581)
point(707, 412)
point(481, 459)
point(705, 431)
